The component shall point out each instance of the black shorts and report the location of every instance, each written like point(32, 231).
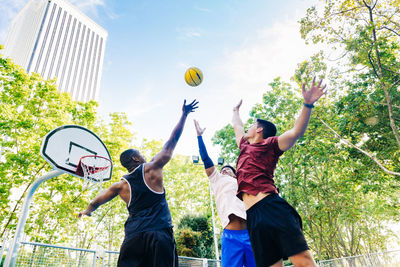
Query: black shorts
point(275, 230)
point(149, 249)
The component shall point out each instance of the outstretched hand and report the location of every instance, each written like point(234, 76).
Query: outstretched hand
point(314, 93)
point(237, 107)
point(186, 109)
point(199, 130)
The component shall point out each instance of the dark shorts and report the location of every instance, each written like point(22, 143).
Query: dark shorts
point(149, 249)
point(275, 230)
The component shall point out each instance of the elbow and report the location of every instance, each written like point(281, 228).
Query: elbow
point(298, 133)
point(165, 159)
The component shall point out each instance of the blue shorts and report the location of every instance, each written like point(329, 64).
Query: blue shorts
point(236, 249)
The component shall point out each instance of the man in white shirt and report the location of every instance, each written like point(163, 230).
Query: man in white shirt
point(235, 241)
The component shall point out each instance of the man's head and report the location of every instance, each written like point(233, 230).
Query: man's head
point(262, 129)
point(228, 170)
point(131, 158)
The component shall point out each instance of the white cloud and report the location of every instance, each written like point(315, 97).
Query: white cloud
point(188, 33)
point(139, 105)
point(8, 10)
point(244, 73)
point(82, 4)
point(93, 6)
point(202, 9)
point(271, 52)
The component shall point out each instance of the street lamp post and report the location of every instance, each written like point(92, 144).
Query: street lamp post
point(196, 160)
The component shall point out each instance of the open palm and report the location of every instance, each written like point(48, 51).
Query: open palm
point(314, 93)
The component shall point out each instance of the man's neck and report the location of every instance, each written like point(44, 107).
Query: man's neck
point(133, 168)
point(255, 139)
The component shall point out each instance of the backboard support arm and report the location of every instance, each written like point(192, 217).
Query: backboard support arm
point(13, 250)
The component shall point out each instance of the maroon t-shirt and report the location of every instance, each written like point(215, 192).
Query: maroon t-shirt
point(256, 165)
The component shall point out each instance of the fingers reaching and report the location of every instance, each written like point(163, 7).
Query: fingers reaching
point(190, 107)
point(199, 130)
point(314, 92)
point(320, 82)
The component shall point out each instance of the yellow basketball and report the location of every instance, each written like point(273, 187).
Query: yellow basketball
point(193, 76)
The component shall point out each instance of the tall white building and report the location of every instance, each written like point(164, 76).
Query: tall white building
point(55, 39)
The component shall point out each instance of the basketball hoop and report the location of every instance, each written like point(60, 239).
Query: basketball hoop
point(93, 168)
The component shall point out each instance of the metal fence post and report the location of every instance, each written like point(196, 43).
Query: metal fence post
point(94, 258)
point(368, 260)
point(213, 222)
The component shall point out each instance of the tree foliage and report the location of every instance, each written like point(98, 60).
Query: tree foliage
point(30, 107)
point(194, 237)
point(343, 175)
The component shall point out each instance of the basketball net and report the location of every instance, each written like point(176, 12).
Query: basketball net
point(93, 170)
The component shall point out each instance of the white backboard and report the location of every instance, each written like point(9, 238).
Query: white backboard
point(64, 146)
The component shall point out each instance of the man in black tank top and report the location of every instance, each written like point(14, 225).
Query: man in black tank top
point(149, 239)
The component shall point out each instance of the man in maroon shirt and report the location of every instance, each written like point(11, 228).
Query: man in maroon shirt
point(275, 228)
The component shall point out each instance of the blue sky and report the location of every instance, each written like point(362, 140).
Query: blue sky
point(240, 46)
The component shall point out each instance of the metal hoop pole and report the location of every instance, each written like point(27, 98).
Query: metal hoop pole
point(13, 250)
point(213, 222)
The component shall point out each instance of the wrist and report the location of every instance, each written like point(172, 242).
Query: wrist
point(307, 105)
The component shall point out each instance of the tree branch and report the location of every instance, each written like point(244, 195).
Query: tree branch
point(360, 150)
point(390, 71)
point(20, 199)
point(386, 105)
point(382, 82)
point(384, 27)
point(372, 64)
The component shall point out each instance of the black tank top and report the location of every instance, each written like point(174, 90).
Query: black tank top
point(148, 209)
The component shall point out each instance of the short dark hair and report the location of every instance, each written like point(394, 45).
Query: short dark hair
point(269, 129)
point(230, 167)
point(126, 158)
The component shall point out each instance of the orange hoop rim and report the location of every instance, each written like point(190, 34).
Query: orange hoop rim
point(81, 165)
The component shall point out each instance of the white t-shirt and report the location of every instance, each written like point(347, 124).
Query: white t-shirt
point(224, 188)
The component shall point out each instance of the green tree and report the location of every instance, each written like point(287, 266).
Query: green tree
point(340, 198)
point(343, 175)
point(30, 107)
point(366, 35)
point(194, 237)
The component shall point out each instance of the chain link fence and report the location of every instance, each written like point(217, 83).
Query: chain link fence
point(380, 259)
point(41, 255)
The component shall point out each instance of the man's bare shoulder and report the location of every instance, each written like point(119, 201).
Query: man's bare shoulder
point(117, 186)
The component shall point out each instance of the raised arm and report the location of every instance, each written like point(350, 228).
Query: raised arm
point(237, 123)
point(165, 154)
point(102, 198)
point(289, 138)
point(208, 164)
